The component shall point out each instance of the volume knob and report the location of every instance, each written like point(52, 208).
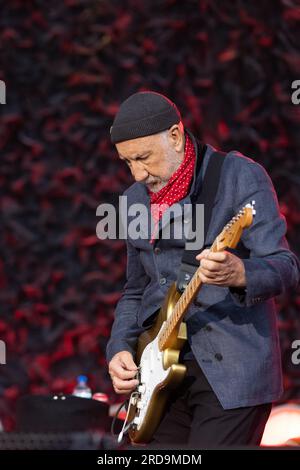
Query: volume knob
point(142, 388)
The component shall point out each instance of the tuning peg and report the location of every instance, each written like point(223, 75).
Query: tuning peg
point(251, 204)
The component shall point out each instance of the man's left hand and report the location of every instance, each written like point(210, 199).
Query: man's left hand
point(221, 269)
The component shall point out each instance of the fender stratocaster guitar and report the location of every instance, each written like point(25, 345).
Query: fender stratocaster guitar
point(159, 347)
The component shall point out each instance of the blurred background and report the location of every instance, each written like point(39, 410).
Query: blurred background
point(67, 65)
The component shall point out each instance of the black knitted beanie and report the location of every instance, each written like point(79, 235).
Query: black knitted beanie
point(143, 113)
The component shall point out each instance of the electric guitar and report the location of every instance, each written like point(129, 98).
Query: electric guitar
point(159, 371)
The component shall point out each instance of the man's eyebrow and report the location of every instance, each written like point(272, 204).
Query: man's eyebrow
point(136, 156)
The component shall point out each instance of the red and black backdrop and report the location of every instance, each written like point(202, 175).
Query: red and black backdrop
point(67, 65)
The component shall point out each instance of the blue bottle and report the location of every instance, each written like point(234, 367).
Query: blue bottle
point(82, 389)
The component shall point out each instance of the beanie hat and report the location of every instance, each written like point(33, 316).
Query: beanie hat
point(143, 113)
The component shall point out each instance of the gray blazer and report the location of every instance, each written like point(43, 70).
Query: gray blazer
point(232, 332)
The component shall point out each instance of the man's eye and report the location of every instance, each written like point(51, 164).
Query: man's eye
point(128, 162)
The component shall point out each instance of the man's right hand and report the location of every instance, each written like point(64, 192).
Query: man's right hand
point(122, 370)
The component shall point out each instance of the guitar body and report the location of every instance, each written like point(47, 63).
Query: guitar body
point(160, 373)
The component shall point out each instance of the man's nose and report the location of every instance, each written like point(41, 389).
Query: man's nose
point(139, 172)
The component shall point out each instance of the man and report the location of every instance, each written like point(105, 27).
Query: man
point(232, 355)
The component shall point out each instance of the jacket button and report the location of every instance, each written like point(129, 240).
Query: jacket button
point(218, 356)
point(162, 281)
point(157, 250)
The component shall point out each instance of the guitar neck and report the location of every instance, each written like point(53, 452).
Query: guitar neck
point(180, 309)
point(228, 238)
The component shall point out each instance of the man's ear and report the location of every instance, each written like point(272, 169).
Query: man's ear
point(176, 136)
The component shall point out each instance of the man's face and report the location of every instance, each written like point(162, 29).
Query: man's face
point(153, 159)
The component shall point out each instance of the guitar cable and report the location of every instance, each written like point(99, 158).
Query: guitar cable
point(133, 396)
point(125, 426)
point(112, 428)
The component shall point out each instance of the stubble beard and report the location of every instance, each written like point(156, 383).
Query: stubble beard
point(155, 185)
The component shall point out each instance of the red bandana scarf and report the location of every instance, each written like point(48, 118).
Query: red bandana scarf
point(176, 188)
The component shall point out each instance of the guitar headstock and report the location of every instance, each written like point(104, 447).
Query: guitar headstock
point(232, 232)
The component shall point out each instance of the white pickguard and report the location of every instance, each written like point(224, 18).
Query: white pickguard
point(152, 373)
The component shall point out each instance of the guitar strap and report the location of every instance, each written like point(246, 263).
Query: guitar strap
point(206, 195)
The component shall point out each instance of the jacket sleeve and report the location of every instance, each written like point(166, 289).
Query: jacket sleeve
point(271, 269)
point(125, 330)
